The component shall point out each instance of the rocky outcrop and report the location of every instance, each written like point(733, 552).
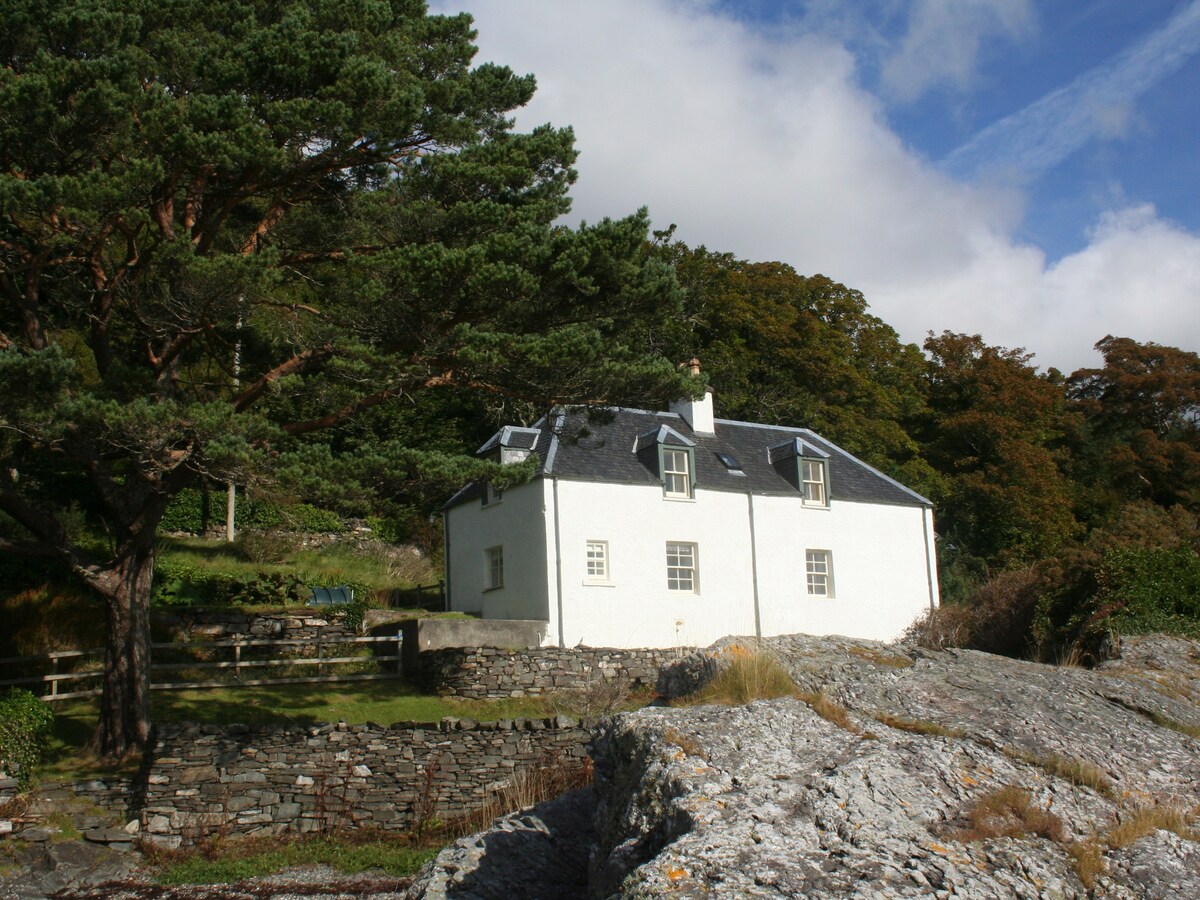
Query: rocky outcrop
point(905, 773)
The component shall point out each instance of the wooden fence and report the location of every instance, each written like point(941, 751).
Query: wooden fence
point(54, 678)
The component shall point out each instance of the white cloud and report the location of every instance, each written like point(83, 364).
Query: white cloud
point(1096, 104)
point(768, 147)
point(943, 41)
point(1139, 277)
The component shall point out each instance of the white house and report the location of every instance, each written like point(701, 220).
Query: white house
point(662, 529)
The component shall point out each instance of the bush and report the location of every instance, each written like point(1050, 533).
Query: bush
point(390, 529)
point(190, 511)
point(186, 585)
point(194, 510)
point(1152, 590)
point(24, 729)
point(996, 618)
point(264, 546)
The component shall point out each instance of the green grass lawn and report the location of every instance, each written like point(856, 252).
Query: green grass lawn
point(396, 855)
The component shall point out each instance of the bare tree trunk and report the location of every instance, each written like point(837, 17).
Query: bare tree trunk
point(124, 725)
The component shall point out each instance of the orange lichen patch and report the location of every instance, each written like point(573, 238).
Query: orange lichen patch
point(968, 780)
point(675, 874)
point(938, 848)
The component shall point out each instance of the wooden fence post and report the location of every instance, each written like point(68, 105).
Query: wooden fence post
point(237, 653)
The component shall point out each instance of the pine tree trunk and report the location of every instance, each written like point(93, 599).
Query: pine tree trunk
point(124, 725)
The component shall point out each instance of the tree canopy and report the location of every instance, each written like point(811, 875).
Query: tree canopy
point(228, 227)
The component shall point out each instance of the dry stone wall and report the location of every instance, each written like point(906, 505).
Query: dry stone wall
point(239, 780)
point(219, 624)
point(487, 673)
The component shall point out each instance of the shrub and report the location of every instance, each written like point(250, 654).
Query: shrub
point(1152, 590)
point(264, 546)
point(24, 729)
point(312, 520)
point(996, 618)
point(182, 584)
point(947, 626)
point(190, 511)
point(390, 529)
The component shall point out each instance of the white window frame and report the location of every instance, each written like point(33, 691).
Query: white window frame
point(677, 481)
point(683, 567)
point(493, 567)
point(597, 564)
point(816, 478)
point(818, 573)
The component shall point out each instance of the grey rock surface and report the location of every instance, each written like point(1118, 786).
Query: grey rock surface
point(954, 774)
point(536, 854)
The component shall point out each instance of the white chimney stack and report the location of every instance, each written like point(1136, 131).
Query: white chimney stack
point(697, 413)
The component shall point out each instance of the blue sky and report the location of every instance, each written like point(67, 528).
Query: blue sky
point(1023, 169)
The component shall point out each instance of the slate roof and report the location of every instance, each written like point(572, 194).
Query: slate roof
point(601, 446)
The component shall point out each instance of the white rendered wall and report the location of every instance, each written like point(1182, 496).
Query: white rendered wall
point(881, 567)
point(882, 562)
point(518, 524)
point(636, 609)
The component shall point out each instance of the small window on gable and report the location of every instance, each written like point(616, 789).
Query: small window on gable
point(491, 496)
point(494, 561)
point(818, 566)
point(597, 561)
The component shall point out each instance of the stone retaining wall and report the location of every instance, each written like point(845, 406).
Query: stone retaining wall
point(210, 780)
point(492, 673)
point(219, 624)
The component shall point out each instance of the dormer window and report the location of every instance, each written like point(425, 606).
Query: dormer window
point(677, 474)
point(672, 458)
point(806, 467)
point(812, 471)
point(510, 444)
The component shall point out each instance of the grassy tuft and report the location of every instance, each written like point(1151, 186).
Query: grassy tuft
point(1079, 772)
point(829, 710)
point(917, 726)
point(1146, 820)
point(880, 658)
point(1087, 858)
point(1192, 731)
point(1132, 825)
point(749, 676)
point(1010, 812)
